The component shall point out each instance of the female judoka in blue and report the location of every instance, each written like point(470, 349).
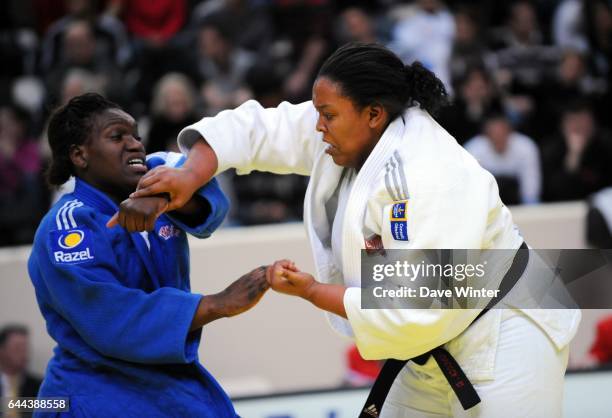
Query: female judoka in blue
point(118, 304)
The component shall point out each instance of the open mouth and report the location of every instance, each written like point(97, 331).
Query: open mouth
point(331, 150)
point(137, 165)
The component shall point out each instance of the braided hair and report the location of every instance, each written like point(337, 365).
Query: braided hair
point(371, 73)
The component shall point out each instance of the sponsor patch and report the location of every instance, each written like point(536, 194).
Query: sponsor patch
point(168, 231)
point(71, 246)
point(399, 220)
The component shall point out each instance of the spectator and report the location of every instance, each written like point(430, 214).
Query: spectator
point(511, 157)
point(303, 29)
point(262, 198)
point(154, 27)
point(112, 43)
point(468, 47)
point(80, 51)
point(15, 380)
point(476, 97)
point(22, 200)
point(568, 26)
point(521, 61)
point(426, 34)
point(576, 163)
point(249, 23)
point(356, 26)
point(223, 67)
point(173, 109)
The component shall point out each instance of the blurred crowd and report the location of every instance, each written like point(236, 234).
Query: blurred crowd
point(529, 82)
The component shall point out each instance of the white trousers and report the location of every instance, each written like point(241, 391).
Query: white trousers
point(528, 383)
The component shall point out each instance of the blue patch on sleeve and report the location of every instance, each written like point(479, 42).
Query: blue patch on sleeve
point(71, 246)
point(399, 230)
point(399, 221)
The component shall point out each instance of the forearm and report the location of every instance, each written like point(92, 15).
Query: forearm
point(329, 297)
point(201, 164)
point(193, 212)
point(208, 310)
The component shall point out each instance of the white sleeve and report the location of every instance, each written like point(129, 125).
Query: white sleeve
point(280, 140)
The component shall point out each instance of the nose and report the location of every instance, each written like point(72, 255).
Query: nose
point(134, 144)
point(321, 125)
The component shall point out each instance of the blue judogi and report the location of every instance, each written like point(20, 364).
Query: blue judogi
point(119, 306)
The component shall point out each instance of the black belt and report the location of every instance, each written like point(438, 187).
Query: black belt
point(455, 376)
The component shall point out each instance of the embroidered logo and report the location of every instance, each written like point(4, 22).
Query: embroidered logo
point(168, 231)
point(399, 220)
point(374, 245)
point(71, 246)
point(371, 411)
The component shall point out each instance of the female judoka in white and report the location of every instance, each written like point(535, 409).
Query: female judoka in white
point(369, 144)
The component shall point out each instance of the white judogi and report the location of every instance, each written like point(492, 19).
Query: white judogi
point(452, 203)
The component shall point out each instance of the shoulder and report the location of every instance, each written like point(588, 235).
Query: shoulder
point(523, 141)
point(477, 143)
point(67, 215)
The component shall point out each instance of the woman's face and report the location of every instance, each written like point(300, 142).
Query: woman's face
point(350, 132)
point(112, 159)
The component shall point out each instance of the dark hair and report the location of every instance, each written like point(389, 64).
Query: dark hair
point(71, 125)
point(9, 330)
point(370, 73)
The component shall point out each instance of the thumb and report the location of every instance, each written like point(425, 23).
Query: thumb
point(114, 221)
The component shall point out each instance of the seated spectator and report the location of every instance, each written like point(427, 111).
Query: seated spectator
point(223, 66)
point(112, 43)
point(576, 162)
point(15, 380)
point(476, 97)
point(303, 29)
point(80, 51)
point(22, 199)
point(511, 157)
point(173, 109)
point(154, 28)
point(520, 61)
point(249, 22)
point(426, 34)
point(356, 26)
point(468, 46)
point(570, 82)
point(263, 198)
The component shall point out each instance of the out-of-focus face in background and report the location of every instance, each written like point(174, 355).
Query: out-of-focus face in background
point(465, 29)
point(213, 45)
point(578, 128)
point(571, 68)
point(523, 21)
point(476, 87)
point(358, 25)
point(498, 131)
point(79, 44)
point(15, 353)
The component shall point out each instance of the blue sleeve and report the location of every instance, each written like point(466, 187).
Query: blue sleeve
point(79, 269)
point(211, 192)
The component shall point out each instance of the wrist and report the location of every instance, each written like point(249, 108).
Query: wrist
point(311, 291)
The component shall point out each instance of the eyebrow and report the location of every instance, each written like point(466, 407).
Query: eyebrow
point(323, 106)
point(119, 121)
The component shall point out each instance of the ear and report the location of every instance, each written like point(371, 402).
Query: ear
point(78, 156)
point(377, 115)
